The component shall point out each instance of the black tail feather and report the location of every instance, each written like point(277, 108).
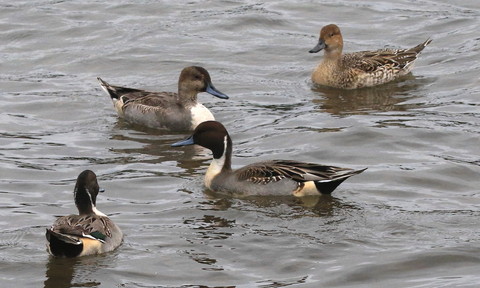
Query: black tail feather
point(327, 187)
point(111, 91)
point(116, 92)
point(63, 246)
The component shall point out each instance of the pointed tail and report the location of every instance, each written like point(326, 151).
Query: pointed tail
point(327, 186)
point(115, 92)
point(109, 89)
point(417, 49)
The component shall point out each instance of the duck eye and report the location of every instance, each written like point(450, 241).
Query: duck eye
point(331, 35)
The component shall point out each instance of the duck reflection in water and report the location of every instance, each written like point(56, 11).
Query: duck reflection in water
point(320, 205)
point(384, 98)
point(75, 272)
point(155, 145)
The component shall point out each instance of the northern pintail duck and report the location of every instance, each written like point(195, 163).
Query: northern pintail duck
point(166, 110)
point(91, 232)
point(275, 177)
point(359, 69)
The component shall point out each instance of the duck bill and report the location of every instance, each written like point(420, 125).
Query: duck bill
point(101, 190)
point(319, 47)
point(188, 141)
point(213, 91)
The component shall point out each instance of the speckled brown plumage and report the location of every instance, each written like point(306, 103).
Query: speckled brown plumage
point(359, 69)
point(276, 170)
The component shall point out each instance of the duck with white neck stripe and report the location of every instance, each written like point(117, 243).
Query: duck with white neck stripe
point(275, 177)
point(88, 233)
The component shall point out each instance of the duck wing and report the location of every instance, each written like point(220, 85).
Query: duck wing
point(156, 99)
point(272, 171)
point(393, 59)
point(90, 226)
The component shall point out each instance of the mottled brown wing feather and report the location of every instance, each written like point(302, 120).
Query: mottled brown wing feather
point(272, 171)
point(82, 225)
point(260, 173)
point(371, 61)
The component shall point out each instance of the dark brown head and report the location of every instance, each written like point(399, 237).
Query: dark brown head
point(331, 40)
point(195, 79)
point(86, 191)
point(211, 135)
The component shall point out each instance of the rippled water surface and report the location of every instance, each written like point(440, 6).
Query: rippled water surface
point(411, 220)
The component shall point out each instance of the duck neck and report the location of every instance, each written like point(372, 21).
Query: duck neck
point(98, 212)
point(222, 158)
point(186, 95)
point(84, 201)
point(221, 163)
point(227, 155)
point(333, 54)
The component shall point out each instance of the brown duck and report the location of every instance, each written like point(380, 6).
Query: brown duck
point(359, 69)
point(166, 110)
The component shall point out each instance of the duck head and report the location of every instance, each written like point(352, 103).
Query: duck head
point(195, 79)
point(85, 193)
point(211, 135)
point(330, 40)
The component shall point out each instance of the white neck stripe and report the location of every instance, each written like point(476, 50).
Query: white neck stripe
point(216, 166)
point(97, 212)
point(94, 208)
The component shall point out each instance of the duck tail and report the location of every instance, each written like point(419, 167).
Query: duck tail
point(109, 89)
point(417, 49)
point(62, 245)
point(327, 186)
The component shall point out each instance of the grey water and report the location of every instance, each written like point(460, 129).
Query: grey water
point(411, 220)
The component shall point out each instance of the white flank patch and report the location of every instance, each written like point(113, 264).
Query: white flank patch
point(215, 167)
point(118, 104)
point(200, 114)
